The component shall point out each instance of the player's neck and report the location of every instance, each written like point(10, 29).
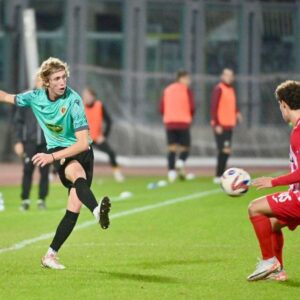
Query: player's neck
point(52, 96)
point(295, 117)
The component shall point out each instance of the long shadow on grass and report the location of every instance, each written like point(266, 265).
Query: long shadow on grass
point(141, 277)
point(291, 283)
point(183, 262)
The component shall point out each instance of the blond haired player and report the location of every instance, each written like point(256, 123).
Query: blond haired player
point(60, 113)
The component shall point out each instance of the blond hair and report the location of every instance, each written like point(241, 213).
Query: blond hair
point(50, 66)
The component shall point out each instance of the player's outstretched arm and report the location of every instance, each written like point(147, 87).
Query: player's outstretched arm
point(8, 98)
point(82, 144)
point(262, 182)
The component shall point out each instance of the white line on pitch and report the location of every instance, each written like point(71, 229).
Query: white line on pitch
point(121, 214)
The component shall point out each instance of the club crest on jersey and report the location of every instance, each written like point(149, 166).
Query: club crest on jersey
point(55, 128)
point(63, 110)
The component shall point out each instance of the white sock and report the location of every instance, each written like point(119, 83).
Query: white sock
point(51, 251)
point(180, 164)
point(96, 213)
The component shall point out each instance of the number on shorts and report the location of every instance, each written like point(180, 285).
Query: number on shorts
point(282, 197)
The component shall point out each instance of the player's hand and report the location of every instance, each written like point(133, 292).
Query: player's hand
point(19, 149)
point(218, 129)
point(239, 117)
point(262, 182)
point(100, 139)
point(42, 159)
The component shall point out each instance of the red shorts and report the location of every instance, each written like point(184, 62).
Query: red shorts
point(286, 208)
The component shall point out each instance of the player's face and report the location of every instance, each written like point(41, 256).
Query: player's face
point(186, 80)
point(57, 83)
point(228, 77)
point(87, 97)
point(284, 111)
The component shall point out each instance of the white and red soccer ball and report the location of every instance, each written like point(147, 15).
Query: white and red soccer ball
point(235, 182)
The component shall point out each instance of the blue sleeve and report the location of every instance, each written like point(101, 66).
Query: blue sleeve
point(24, 99)
point(78, 115)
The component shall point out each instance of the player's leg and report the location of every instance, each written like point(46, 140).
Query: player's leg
point(277, 238)
point(106, 148)
point(172, 174)
point(224, 150)
point(44, 181)
point(171, 156)
point(76, 174)
point(184, 151)
point(260, 213)
point(43, 186)
point(278, 242)
point(63, 231)
point(28, 168)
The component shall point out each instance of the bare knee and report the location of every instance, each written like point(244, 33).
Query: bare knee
point(172, 148)
point(253, 209)
point(78, 174)
point(260, 207)
point(74, 171)
point(184, 148)
point(227, 150)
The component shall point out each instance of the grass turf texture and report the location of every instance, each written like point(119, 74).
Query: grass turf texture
point(202, 248)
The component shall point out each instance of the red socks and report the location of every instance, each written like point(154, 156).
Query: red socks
point(263, 230)
point(278, 241)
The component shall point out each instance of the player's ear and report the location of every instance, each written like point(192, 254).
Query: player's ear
point(283, 103)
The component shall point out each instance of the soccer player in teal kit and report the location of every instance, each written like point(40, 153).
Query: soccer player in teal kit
point(60, 113)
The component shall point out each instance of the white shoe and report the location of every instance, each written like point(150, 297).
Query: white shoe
point(180, 169)
point(119, 177)
point(101, 212)
point(264, 268)
point(25, 205)
point(217, 180)
point(172, 175)
point(51, 261)
point(277, 276)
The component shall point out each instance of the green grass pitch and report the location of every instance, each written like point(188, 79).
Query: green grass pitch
point(175, 242)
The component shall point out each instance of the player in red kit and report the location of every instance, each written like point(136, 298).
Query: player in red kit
point(269, 214)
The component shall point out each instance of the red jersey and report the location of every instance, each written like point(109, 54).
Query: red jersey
point(292, 179)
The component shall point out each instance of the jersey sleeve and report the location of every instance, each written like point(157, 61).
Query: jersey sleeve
point(24, 99)
point(78, 115)
point(293, 177)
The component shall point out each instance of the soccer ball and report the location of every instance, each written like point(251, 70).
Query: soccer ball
point(235, 182)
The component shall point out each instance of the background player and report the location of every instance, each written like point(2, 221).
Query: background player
point(270, 213)
point(29, 140)
point(224, 116)
point(177, 108)
point(100, 124)
point(60, 112)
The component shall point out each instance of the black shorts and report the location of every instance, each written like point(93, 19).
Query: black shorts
point(224, 139)
point(86, 160)
point(180, 137)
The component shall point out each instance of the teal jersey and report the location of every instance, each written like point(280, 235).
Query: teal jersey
point(59, 119)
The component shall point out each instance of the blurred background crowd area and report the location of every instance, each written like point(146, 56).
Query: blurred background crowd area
point(129, 50)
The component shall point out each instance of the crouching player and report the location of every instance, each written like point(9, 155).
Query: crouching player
point(60, 113)
point(271, 213)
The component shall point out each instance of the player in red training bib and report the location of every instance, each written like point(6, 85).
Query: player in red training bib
point(269, 214)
